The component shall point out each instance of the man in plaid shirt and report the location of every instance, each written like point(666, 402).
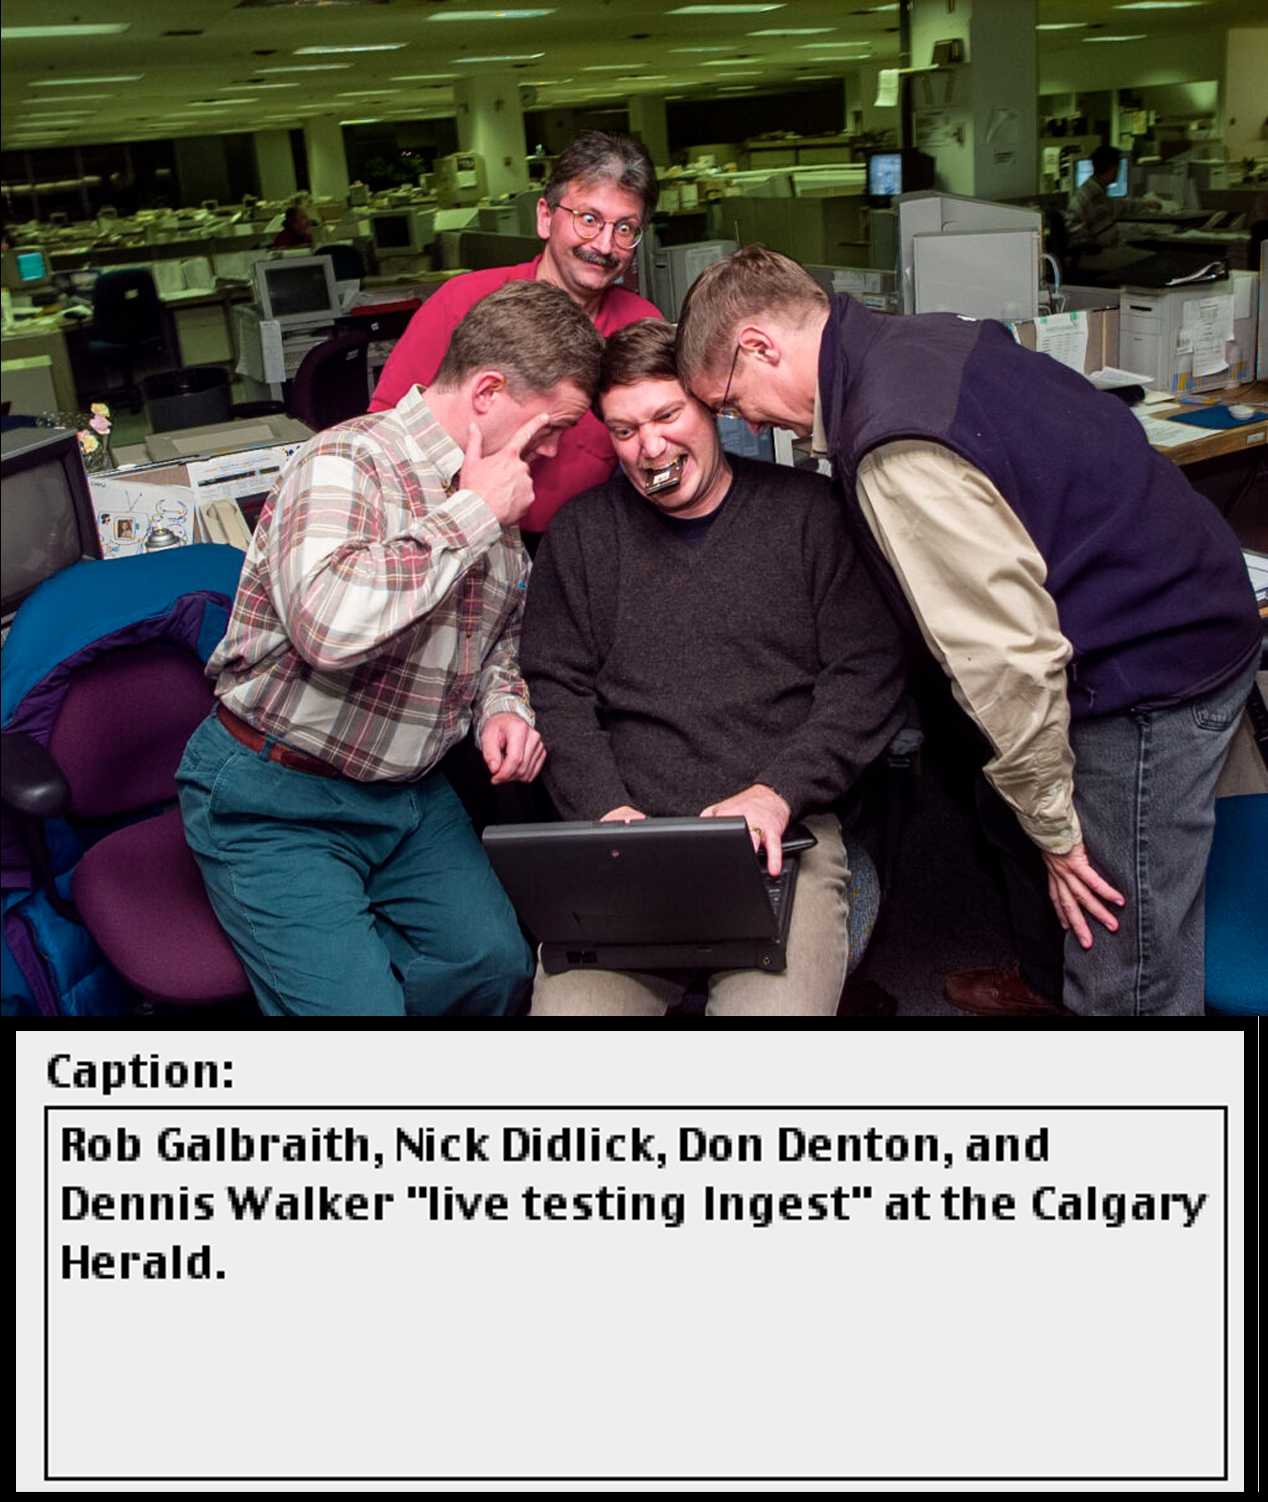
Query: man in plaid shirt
point(377, 618)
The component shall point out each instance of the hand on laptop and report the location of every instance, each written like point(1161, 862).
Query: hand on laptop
point(512, 749)
point(766, 815)
point(623, 815)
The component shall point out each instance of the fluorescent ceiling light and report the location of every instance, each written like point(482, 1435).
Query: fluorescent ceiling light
point(364, 93)
point(414, 77)
point(218, 104)
point(306, 68)
point(606, 68)
point(491, 15)
point(828, 46)
point(1160, 5)
point(736, 62)
point(722, 10)
point(503, 57)
point(352, 47)
point(30, 33)
point(1137, 36)
point(66, 83)
point(70, 99)
point(702, 49)
point(1060, 25)
point(793, 31)
point(275, 86)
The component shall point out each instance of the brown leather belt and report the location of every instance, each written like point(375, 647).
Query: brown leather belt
point(285, 756)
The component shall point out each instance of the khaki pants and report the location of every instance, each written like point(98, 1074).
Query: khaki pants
point(818, 946)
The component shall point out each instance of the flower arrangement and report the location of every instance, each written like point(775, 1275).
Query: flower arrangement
point(93, 438)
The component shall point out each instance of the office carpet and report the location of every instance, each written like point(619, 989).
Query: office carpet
point(945, 910)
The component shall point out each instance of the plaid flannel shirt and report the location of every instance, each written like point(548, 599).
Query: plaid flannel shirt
point(378, 613)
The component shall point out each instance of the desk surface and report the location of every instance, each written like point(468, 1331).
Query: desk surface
point(1211, 443)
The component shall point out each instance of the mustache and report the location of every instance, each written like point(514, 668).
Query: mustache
point(596, 258)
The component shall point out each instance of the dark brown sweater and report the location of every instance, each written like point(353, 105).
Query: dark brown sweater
point(668, 677)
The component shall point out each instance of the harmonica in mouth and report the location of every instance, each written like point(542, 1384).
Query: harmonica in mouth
point(664, 478)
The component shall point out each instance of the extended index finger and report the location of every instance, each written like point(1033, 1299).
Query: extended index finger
point(529, 431)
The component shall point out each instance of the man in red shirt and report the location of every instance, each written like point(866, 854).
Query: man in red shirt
point(595, 210)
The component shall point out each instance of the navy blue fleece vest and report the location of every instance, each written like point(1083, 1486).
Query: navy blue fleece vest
point(1149, 582)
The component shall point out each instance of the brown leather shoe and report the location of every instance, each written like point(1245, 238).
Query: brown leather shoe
point(998, 991)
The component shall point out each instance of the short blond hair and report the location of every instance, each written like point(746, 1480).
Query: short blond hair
point(751, 283)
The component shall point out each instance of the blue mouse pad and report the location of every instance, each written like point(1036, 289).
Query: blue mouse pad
point(1216, 417)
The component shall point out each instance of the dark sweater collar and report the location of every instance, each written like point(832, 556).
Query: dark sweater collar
point(850, 331)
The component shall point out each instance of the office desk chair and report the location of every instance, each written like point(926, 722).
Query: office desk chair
point(103, 684)
point(1236, 973)
point(333, 382)
point(128, 321)
point(347, 261)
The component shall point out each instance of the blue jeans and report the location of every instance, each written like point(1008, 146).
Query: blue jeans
point(345, 898)
point(1144, 787)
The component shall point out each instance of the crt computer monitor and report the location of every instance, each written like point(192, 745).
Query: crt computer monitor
point(26, 269)
point(1117, 189)
point(47, 511)
point(400, 232)
point(296, 289)
point(895, 170)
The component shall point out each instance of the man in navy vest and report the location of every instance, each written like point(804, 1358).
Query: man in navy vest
point(1092, 611)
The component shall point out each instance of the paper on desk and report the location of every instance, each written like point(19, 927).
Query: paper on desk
point(1161, 433)
point(1064, 337)
point(126, 510)
point(1108, 377)
point(228, 477)
point(1257, 567)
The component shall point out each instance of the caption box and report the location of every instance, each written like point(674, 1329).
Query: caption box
point(755, 1292)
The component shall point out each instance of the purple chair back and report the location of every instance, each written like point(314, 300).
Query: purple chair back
point(123, 724)
point(332, 382)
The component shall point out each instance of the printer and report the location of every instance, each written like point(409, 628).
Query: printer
point(1197, 336)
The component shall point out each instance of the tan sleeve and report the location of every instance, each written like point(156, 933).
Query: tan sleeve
point(976, 583)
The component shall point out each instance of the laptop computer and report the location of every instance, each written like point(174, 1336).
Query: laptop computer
point(654, 894)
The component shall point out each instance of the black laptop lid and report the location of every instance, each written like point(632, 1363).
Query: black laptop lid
point(652, 881)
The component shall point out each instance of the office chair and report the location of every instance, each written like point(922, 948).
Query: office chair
point(333, 381)
point(103, 684)
point(127, 322)
point(348, 262)
point(1236, 973)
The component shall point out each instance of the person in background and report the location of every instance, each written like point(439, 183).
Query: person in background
point(701, 638)
point(377, 618)
point(595, 209)
point(295, 230)
point(1092, 216)
point(1092, 611)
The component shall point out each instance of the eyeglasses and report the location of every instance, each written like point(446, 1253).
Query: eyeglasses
point(724, 409)
point(589, 226)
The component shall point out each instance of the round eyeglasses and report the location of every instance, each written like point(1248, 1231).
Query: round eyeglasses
point(589, 226)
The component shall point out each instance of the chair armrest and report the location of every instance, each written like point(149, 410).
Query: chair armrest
point(30, 780)
point(34, 787)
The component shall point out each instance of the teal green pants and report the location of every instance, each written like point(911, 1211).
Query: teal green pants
point(348, 899)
